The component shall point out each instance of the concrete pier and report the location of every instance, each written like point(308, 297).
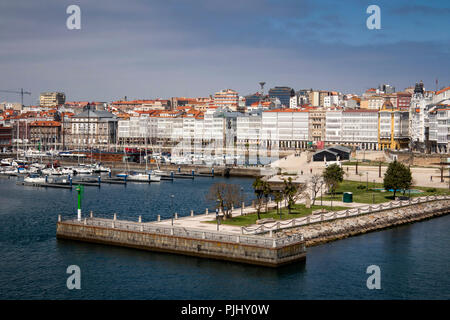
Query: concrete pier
point(258, 250)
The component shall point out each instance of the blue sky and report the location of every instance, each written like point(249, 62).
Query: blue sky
point(149, 49)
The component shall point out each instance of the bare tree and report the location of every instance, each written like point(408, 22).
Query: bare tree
point(225, 196)
point(316, 183)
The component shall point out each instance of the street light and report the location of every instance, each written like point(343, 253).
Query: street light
point(171, 207)
point(242, 210)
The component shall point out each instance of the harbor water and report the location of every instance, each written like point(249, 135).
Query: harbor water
point(414, 259)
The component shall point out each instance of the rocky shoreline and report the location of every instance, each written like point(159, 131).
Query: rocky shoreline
point(323, 232)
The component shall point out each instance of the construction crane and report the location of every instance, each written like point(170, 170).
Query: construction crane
point(21, 92)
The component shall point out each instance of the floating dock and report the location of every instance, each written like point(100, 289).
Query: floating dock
point(47, 185)
point(257, 250)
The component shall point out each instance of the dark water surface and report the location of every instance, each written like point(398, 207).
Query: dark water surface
point(414, 259)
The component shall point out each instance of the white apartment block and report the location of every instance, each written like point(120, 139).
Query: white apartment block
point(287, 127)
point(360, 128)
point(333, 126)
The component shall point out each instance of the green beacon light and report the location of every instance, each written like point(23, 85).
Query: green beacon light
point(80, 190)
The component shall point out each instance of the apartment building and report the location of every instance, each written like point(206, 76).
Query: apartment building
point(45, 133)
point(52, 99)
point(287, 127)
point(316, 124)
point(359, 128)
point(226, 98)
point(93, 128)
point(393, 127)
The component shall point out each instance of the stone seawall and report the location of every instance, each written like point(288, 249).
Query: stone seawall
point(346, 227)
point(221, 250)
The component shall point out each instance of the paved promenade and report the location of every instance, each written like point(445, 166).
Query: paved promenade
point(198, 220)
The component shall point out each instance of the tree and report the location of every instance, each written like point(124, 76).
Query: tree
point(267, 191)
point(291, 192)
point(316, 183)
point(332, 176)
point(258, 189)
point(278, 197)
point(225, 195)
point(397, 177)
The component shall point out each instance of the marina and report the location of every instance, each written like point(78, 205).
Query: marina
point(29, 217)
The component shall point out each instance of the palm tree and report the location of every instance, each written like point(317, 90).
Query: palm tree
point(258, 189)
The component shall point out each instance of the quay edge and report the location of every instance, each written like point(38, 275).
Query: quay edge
point(204, 248)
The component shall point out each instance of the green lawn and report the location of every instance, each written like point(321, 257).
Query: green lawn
point(297, 211)
point(375, 196)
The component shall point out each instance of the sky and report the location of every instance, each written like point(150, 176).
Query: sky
point(162, 49)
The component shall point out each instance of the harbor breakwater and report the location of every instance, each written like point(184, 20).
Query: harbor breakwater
point(258, 250)
point(323, 232)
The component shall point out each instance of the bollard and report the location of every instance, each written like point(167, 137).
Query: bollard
point(91, 214)
point(192, 213)
point(158, 218)
point(176, 216)
point(59, 218)
point(140, 219)
point(115, 216)
point(206, 211)
point(179, 169)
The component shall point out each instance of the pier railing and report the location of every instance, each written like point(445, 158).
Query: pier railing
point(256, 240)
point(329, 216)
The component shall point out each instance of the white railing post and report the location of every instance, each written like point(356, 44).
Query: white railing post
point(59, 218)
point(192, 213)
point(91, 214)
point(140, 219)
point(206, 211)
point(115, 217)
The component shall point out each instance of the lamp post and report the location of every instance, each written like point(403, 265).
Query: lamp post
point(242, 209)
point(367, 176)
point(171, 206)
point(217, 216)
